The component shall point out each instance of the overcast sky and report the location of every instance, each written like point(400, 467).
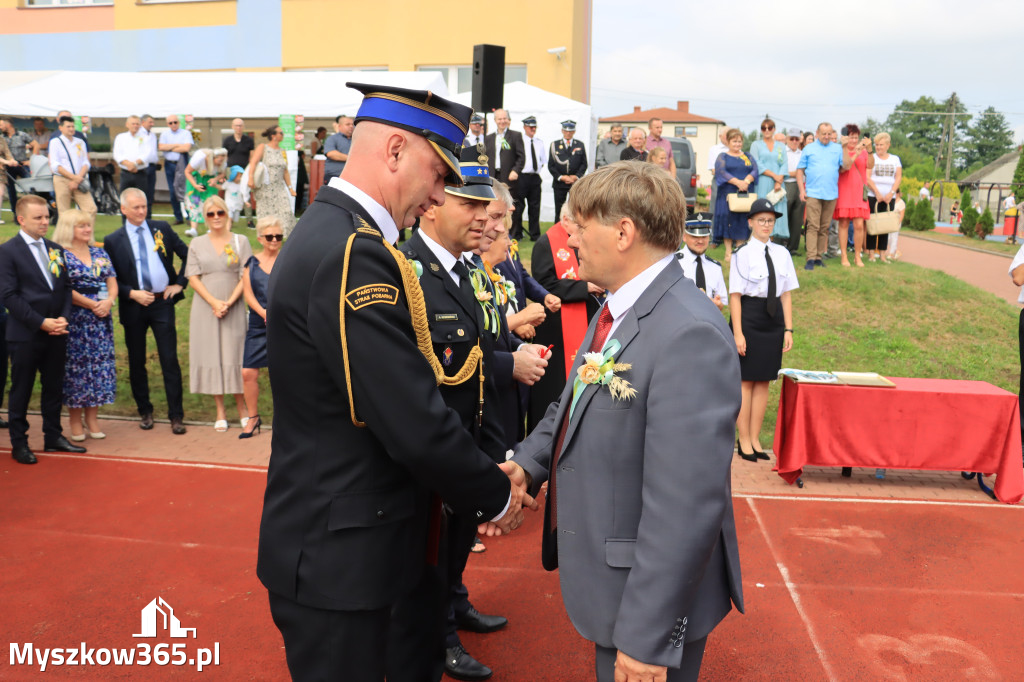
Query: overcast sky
point(806, 61)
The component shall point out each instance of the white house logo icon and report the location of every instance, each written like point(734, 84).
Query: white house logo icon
point(170, 622)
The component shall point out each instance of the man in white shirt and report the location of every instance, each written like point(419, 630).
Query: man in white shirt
point(69, 161)
point(528, 189)
point(152, 159)
point(130, 151)
point(794, 207)
point(697, 266)
point(176, 144)
point(476, 132)
point(504, 150)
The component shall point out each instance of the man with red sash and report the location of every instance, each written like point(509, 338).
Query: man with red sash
point(556, 268)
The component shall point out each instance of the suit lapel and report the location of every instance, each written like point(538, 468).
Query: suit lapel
point(128, 255)
point(32, 259)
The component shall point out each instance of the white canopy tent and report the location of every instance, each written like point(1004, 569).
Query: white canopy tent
point(522, 100)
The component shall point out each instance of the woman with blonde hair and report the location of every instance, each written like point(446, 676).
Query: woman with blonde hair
point(255, 281)
point(89, 374)
point(205, 175)
point(216, 336)
point(883, 184)
point(657, 155)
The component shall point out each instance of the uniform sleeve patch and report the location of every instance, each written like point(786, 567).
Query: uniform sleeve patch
point(370, 294)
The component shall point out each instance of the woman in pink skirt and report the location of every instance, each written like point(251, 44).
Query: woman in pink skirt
point(853, 203)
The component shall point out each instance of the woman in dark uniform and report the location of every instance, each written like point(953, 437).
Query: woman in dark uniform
point(761, 311)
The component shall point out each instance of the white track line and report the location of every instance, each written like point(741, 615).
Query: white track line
point(139, 541)
point(162, 462)
point(910, 590)
point(784, 572)
point(874, 500)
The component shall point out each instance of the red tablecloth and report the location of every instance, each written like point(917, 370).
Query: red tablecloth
point(932, 424)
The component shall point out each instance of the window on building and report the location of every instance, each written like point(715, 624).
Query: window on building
point(460, 78)
point(686, 131)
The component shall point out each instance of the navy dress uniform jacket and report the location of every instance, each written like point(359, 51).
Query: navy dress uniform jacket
point(345, 513)
point(566, 158)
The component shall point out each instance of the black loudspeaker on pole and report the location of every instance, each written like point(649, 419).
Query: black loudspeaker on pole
point(488, 77)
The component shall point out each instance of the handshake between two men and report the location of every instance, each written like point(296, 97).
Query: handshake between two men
point(520, 498)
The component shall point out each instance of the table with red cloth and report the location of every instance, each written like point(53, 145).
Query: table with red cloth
point(933, 424)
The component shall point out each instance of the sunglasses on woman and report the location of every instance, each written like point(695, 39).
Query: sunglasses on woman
point(274, 237)
point(767, 128)
point(216, 214)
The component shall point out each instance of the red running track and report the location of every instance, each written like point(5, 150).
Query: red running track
point(836, 589)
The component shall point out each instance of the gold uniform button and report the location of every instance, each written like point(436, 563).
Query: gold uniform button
point(462, 332)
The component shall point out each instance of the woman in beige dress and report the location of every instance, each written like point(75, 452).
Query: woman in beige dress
point(216, 331)
point(272, 196)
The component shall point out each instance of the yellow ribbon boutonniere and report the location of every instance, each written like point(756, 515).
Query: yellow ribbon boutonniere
point(158, 240)
point(514, 248)
point(56, 264)
point(743, 157)
point(232, 257)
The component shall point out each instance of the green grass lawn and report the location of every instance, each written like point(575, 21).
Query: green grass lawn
point(898, 320)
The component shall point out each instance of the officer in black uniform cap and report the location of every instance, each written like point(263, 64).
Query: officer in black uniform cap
point(567, 162)
point(697, 266)
point(363, 444)
point(464, 324)
point(476, 131)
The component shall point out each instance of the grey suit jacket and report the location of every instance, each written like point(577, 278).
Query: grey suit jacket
point(646, 538)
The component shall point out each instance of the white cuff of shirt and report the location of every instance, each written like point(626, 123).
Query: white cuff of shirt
point(505, 510)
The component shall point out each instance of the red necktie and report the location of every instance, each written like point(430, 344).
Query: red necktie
point(604, 325)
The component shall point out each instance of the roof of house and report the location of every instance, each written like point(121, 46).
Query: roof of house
point(982, 173)
point(681, 114)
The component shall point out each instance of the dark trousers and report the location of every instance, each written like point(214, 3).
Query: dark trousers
point(560, 195)
point(170, 168)
point(795, 215)
point(688, 671)
point(158, 316)
point(14, 172)
point(331, 645)
point(527, 190)
point(138, 180)
point(877, 242)
point(4, 360)
point(46, 355)
point(416, 637)
point(461, 534)
point(150, 188)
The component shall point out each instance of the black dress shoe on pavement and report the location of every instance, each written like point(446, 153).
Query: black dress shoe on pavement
point(23, 455)
point(3, 423)
point(177, 427)
point(474, 621)
point(460, 665)
point(61, 445)
point(761, 454)
point(147, 422)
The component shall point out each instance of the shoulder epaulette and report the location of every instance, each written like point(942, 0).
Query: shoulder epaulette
point(712, 260)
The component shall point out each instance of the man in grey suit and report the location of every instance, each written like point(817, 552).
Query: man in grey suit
point(639, 514)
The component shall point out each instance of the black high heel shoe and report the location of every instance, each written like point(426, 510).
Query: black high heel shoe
point(749, 458)
point(255, 429)
point(760, 454)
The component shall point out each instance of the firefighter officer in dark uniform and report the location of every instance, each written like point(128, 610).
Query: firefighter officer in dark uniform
point(567, 161)
point(364, 446)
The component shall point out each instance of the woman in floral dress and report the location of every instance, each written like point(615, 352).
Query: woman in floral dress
point(272, 195)
point(89, 375)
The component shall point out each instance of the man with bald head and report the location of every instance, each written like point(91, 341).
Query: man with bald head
point(364, 447)
point(130, 151)
point(506, 153)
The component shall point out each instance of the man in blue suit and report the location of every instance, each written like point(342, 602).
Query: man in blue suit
point(35, 288)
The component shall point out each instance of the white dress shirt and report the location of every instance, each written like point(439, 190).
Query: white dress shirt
point(443, 256)
point(175, 137)
point(622, 300)
point(499, 137)
point(158, 279)
point(749, 273)
point(1018, 260)
point(713, 154)
point(42, 257)
point(540, 149)
point(379, 214)
point(714, 281)
point(71, 155)
point(793, 159)
point(128, 147)
point(151, 156)
point(473, 140)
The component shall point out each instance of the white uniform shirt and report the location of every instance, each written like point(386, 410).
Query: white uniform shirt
point(150, 145)
point(713, 278)
point(473, 140)
point(749, 273)
point(539, 149)
point(1018, 260)
point(499, 138)
point(713, 154)
point(71, 154)
point(128, 147)
point(793, 159)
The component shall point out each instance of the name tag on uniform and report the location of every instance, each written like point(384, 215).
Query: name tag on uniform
point(446, 317)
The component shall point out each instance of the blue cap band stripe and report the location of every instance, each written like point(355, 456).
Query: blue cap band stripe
point(390, 110)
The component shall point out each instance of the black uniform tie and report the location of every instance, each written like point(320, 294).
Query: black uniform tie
point(533, 157)
point(465, 286)
point(773, 299)
point(701, 282)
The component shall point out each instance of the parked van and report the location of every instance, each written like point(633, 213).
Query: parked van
point(686, 169)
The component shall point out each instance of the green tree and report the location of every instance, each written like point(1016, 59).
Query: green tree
point(1018, 179)
point(990, 137)
point(923, 131)
point(986, 223)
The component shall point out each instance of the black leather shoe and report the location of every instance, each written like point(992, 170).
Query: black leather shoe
point(749, 457)
point(61, 445)
point(147, 422)
point(23, 455)
point(460, 665)
point(474, 621)
point(760, 454)
point(177, 427)
point(3, 423)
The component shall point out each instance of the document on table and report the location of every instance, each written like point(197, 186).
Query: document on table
point(840, 378)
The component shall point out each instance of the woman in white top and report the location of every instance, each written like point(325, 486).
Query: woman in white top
point(761, 312)
point(883, 182)
point(1017, 273)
